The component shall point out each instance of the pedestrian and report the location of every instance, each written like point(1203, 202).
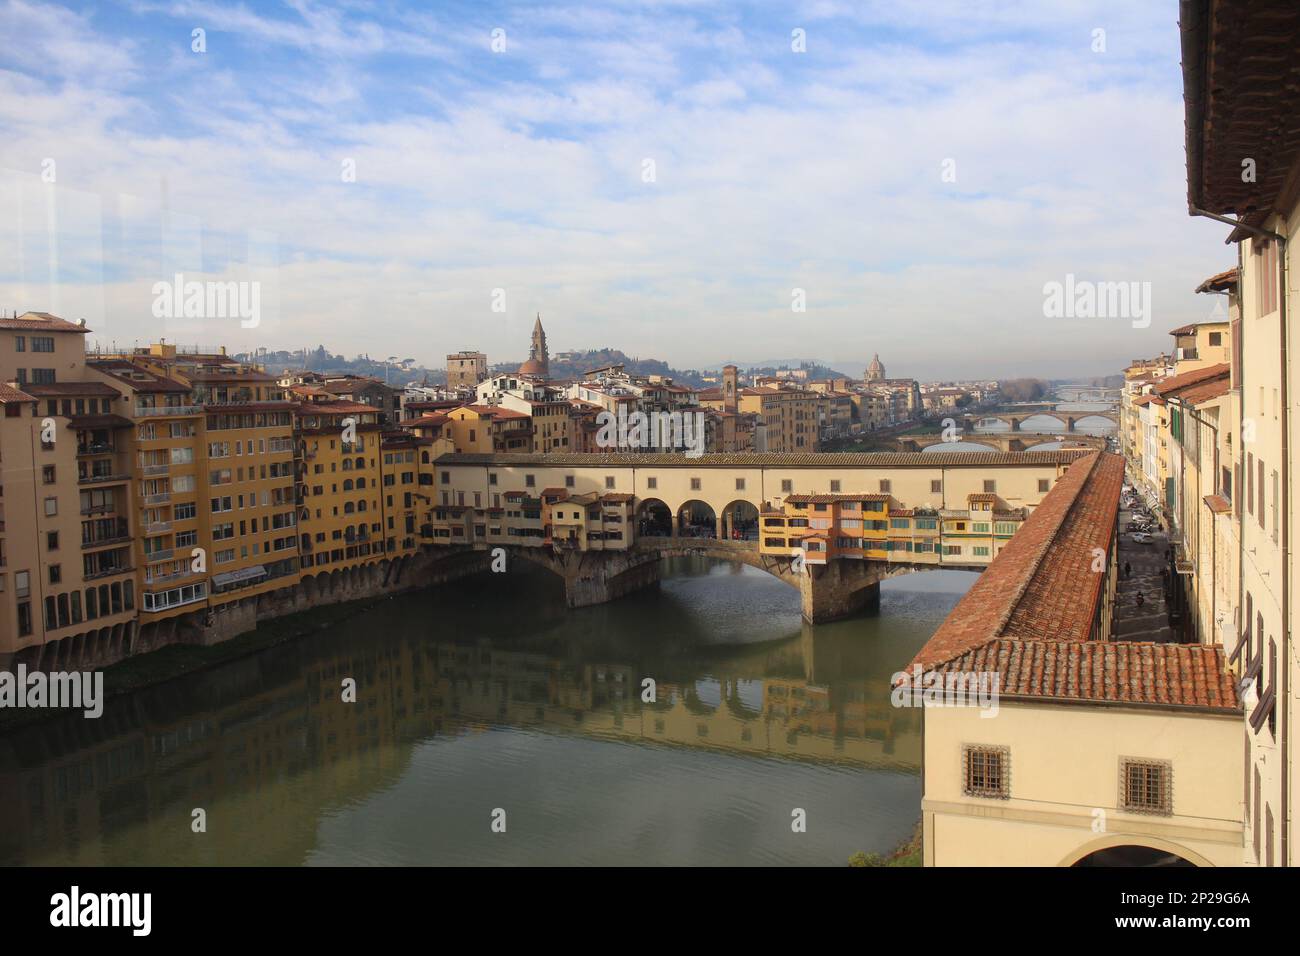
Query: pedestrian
point(1128, 569)
point(1140, 599)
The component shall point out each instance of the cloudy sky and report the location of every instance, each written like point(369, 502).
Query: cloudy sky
point(658, 177)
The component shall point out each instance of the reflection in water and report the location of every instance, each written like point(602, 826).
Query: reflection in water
point(490, 693)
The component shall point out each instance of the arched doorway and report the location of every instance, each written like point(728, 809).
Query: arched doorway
point(654, 519)
point(740, 521)
point(695, 519)
point(1130, 854)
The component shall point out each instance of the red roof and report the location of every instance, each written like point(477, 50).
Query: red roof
point(8, 393)
point(1174, 675)
point(1168, 386)
point(40, 322)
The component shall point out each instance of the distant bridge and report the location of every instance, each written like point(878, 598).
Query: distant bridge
point(997, 441)
point(1015, 419)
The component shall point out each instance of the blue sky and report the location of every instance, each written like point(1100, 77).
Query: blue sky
point(523, 170)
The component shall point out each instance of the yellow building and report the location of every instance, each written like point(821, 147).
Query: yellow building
point(67, 570)
point(787, 417)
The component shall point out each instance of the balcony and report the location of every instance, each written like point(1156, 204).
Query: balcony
point(151, 471)
point(153, 557)
point(147, 411)
point(158, 527)
point(96, 448)
point(105, 542)
point(161, 498)
point(170, 580)
point(99, 479)
point(107, 573)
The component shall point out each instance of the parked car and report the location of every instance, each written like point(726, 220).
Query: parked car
point(1141, 537)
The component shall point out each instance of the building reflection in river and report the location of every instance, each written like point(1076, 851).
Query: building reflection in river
point(251, 736)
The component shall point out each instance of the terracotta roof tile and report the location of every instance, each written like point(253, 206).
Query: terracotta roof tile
point(1171, 675)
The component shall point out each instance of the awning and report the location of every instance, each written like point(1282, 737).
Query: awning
point(234, 577)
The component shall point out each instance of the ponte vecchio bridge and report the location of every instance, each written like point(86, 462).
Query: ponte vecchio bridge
point(602, 522)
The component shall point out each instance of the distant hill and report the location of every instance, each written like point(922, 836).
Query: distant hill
point(575, 364)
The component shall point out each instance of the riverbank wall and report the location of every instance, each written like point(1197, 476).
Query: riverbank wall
point(207, 627)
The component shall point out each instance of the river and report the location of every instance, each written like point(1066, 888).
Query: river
point(487, 701)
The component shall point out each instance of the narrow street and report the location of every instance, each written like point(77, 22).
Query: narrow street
point(1148, 621)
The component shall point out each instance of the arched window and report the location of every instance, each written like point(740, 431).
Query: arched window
point(361, 482)
point(361, 506)
point(348, 507)
point(347, 464)
point(347, 484)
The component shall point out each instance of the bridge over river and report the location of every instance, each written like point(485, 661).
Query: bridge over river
point(622, 513)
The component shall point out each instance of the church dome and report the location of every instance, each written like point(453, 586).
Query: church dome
point(532, 367)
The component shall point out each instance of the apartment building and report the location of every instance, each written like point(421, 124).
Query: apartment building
point(339, 484)
point(67, 574)
point(787, 418)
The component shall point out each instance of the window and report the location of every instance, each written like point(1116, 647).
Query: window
point(42, 343)
point(1216, 338)
point(1260, 463)
point(22, 583)
point(47, 474)
point(56, 573)
point(835, 486)
point(652, 482)
point(884, 486)
point(51, 507)
point(936, 487)
point(51, 541)
point(740, 484)
point(20, 343)
point(1146, 786)
point(695, 484)
point(492, 478)
point(986, 772)
point(530, 481)
point(787, 486)
point(990, 487)
point(1266, 276)
point(1043, 485)
point(42, 376)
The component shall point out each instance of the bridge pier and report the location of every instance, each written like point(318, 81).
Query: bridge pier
point(595, 577)
point(839, 589)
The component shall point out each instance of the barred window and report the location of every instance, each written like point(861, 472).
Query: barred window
point(986, 772)
point(1146, 786)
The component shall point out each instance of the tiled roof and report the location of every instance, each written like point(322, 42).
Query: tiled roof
point(1030, 615)
point(1206, 391)
point(792, 460)
point(1171, 675)
point(40, 322)
point(1218, 504)
point(8, 393)
point(139, 379)
point(985, 610)
point(1169, 386)
point(1220, 281)
point(1062, 598)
